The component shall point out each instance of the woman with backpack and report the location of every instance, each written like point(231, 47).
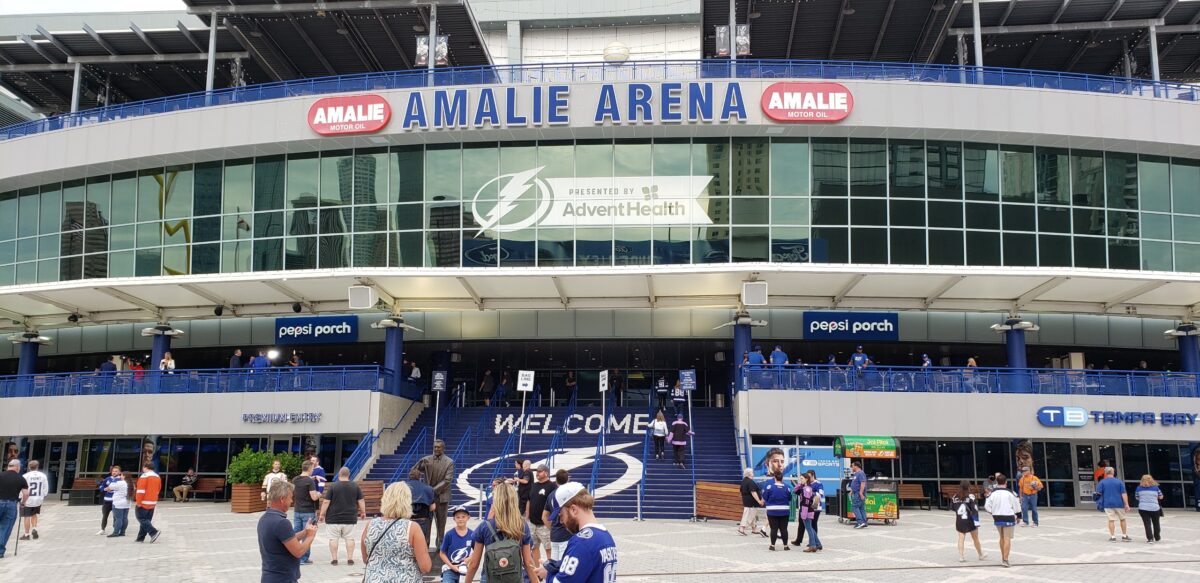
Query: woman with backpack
point(808, 503)
point(393, 546)
point(966, 519)
point(658, 430)
point(503, 543)
point(680, 431)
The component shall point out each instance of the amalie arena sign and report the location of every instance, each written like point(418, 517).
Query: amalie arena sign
point(608, 104)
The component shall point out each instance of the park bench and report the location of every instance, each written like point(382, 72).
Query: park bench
point(214, 487)
point(915, 492)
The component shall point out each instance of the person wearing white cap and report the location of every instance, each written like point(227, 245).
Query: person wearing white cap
point(591, 555)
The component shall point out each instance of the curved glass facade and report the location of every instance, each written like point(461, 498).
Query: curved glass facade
point(820, 200)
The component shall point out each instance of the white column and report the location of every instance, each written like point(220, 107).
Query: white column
point(432, 36)
point(978, 36)
point(75, 85)
point(212, 51)
point(1154, 52)
point(732, 30)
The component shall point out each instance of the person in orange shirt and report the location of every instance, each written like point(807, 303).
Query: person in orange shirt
point(1029, 486)
point(149, 486)
point(1099, 473)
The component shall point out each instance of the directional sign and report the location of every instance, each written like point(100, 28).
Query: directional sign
point(525, 381)
point(439, 381)
point(687, 379)
point(603, 381)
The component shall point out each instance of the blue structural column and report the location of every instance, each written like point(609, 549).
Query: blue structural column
point(1014, 330)
point(393, 351)
point(1189, 357)
point(162, 345)
point(1014, 340)
point(29, 353)
point(741, 345)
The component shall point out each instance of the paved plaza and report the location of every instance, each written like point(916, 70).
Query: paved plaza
point(204, 542)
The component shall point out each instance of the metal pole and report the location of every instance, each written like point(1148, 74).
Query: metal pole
point(212, 51)
point(75, 85)
point(432, 38)
point(978, 38)
point(603, 423)
point(732, 30)
point(521, 426)
point(437, 406)
point(1154, 54)
point(692, 447)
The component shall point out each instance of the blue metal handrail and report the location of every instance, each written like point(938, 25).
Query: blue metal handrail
point(605, 72)
point(218, 380)
point(362, 452)
point(504, 453)
point(596, 461)
point(560, 433)
point(651, 412)
point(418, 448)
point(466, 444)
point(1041, 381)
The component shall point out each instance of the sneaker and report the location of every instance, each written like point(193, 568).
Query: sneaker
point(154, 537)
point(962, 559)
point(1112, 539)
point(787, 548)
point(35, 534)
point(349, 561)
point(1150, 541)
point(1124, 538)
point(23, 537)
point(763, 532)
point(771, 548)
point(102, 531)
point(983, 556)
point(113, 535)
point(1035, 525)
point(1024, 524)
point(306, 562)
point(333, 562)
point(1005, 563)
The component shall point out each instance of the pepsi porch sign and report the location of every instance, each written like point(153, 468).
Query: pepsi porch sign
point(858, 326)
point(353, 114)
point(316, 330)
point(807, 102)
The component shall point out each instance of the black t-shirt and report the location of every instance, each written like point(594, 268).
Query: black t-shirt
point(343, 503)
point(303, 500)
point(11, 484)
point(749, 486)
point(523, 489)
point(538, 494)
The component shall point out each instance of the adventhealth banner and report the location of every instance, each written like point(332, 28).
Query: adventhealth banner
point(316, 330)
point(858, 326)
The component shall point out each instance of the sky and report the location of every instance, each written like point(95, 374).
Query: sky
point(68, 6)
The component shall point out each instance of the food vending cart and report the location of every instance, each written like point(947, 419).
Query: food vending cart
point(882, 497)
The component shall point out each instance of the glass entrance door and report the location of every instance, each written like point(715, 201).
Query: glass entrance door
point(1087, 459)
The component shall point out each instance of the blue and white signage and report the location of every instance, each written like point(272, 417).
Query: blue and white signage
point(316, 330)
point(851, 326)
point(687, 379)
point(1078, 417)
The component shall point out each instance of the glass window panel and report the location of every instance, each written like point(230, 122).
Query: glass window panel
point(956, 459)
point(206, 258)
point(124, 198)
point(830, 211)
point(27, 248)
point(710, 245)
point(235, 257)
point(983, 216)
point(789, 167)
point(1189, 462)
point(831, 245)
point(148, 263)
point(94, 241)
point(51, 210)
point(27, 273)
point(9, 205)
point(906, 168)
point(268, 255)
point(121, 264)
point(594, 246)
point(632, 245)
point(672, 157)
point(150, 185)
point(1053, 251)
point(1054, 219)
point(370, 250)
point(1154, 183)
point(178, 192)
point(236, 227)
point(946, 214)
point(1136, 464)
point(918, 459)
point(1020, 250)
point(8, 251)
point(789, 211)
point(299, 253)
point(207, 194)
point(337, 178)
point(830, 160)
point(1123, 253)
point(868, 168)
point(750, 244)
point(149, 235)
point(370, 175)
point(1017, 173)
point(237, 191)
point(595, 158)
point(1018, 217)
point(869, 246)
point(1123, 224)
point(28, 213)
point(481, 166)
point(631, 158)
point(1163, 461)
point(983, 248)
point(8, 274)
point(480, 251)
point(1157, 256)
point(205, 229)
point(556, 247)
point(333, 251)
point(908, 247)
point(1053, 176)
point(514, 157)
point(750, 211)
point(520, 251)
point(303, 177)
point(271, 224)
point(443, 248)
point(981, 164)
point(1187, 257)
point(750, 167)
point(1090, 252)
point(73, 205)
point(710, 157)
point(47, 270)
point(444, 172)
point(407, 173)
point(176, 260)
point(405, 249)
point(672, 245)
point(992, 457)
point(214, 453)
point(557, 159)
point(1121, 180)
point(1087, 178)
point(370, 218)
point(1187, 228)
point(407, 216)
point(1185, 186)
point(944, 167)
point(907, 213)
point(1088, 221)
point(791, 245)
point(946, 247)
point(868, 212)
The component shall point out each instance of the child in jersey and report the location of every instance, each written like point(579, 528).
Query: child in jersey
point(591, 554)
point(456, 547)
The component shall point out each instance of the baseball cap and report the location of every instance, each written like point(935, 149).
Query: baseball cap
point(859, 347)
point(459, 508)
point(566, 492)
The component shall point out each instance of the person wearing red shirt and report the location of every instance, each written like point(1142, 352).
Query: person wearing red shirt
point(149, 485)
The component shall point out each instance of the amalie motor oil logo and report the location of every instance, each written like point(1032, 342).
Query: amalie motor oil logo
point(352, 114)
point(807, 102)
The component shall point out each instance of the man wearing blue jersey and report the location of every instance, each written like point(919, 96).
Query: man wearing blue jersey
point(778, 356)
point(591, 555)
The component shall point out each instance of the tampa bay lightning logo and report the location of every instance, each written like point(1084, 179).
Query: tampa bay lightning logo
point(584, 534)
point(505, 214)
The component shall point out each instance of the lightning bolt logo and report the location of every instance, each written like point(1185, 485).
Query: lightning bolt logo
point(518, 185)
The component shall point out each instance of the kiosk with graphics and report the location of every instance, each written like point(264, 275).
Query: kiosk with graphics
point(882, 499)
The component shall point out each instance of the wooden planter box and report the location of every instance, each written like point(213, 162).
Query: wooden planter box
point(246, 498)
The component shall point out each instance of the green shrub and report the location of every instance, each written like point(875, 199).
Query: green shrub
point(250, 467)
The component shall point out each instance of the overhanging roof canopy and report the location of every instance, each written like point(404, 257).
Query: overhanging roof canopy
point(1016, 290)
point(917, 31)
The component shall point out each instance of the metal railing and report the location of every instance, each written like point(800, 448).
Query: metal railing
point(219, 380)
point(678, 70)
point(641, 499)
point(560, 433)
point(362, 452)
point(1039, 381)
point(419, 446)
point(504, 453)
point(596, 457)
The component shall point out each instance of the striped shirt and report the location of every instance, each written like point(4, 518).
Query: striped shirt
point(776, 497)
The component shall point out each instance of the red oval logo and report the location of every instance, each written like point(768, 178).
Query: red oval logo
point(807, 102)
point(353, 114)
